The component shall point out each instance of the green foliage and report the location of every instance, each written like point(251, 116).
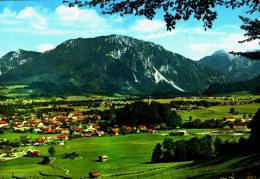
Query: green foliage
point(71, 155)
point(45, 160)
point(52, 151)
point(193, 149)
point(255, 129)
point(157, 153)
point(149, 114)
point(173, 10)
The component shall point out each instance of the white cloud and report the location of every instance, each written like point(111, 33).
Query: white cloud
point(29, 15)
point(145, 25)
point(45, 47)
point(228, 43)
point(84, 17)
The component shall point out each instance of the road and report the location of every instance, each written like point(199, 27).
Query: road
point(16, 154)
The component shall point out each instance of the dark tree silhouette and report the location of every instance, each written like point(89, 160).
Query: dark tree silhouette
point(157, 153)
point(173, 10)
point(252, 28)
point(255, 129)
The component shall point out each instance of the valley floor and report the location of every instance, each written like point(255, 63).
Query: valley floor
point(129, 157)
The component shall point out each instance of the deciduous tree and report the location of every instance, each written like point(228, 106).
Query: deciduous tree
point(173, 10)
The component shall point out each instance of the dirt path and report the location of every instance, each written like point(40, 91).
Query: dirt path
point(67, 171)
point(15, 155)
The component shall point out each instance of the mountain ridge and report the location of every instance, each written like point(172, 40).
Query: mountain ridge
point(236, 68)
point(113, 64)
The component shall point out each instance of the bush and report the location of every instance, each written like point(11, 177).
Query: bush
point(45, 160)
point(72, 155)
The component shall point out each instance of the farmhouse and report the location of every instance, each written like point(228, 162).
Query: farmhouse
point(63, 137)
point(103, 158)
point(33, 153)
point(41, 140)
point(3, 124)
point(94, 174)
point(179, 133)
point(229, 118)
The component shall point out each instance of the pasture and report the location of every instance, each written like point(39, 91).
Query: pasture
point(129, 156)
point(218, 112)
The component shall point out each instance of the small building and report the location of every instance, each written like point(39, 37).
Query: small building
point(178, 133)
point(63, 137)
point(3, 124)
point(94, 174)
point(151, 131)
point(115, 130)
point(229, 118)
point(103, 158)
point(33, 153)
point(61, 142)
point(41, 140)
point(97, 127)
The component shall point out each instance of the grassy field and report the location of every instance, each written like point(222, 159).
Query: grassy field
point(13, 136)
point(129, 156)
point(218, 112)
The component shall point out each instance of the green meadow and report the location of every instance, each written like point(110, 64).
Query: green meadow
point(218, 112)
point(129, 157)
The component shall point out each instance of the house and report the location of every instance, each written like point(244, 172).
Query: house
point(34, 123)
point(63, 137)
point(143, 128)
point(41, 140)
point(103, 158)
point(3, 124)
point(115, 130)
point(94, 174)
point(97, 127)
point(151, 131)
point(36, 130)
point(51, 131)
point(100, 133)
point(61, 142)
point(229, 118)
point(88, 135)
point(178, 133)
point(33, 153)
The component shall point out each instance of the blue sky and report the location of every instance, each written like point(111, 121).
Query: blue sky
point(41, 25)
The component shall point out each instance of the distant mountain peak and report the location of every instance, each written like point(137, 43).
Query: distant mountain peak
point(236, 68)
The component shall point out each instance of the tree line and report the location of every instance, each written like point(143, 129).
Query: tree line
point(206, 147)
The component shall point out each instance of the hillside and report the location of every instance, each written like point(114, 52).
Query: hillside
point(112, 64)
point(236, 68)
point(14, 59)
point(252, 86)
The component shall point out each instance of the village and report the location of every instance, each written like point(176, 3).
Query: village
point(56, 128)
point(64, 134)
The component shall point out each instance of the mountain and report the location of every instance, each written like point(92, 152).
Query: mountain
point(112, 64)
point(252, 86)
point(235, 67)
point(16, 58)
